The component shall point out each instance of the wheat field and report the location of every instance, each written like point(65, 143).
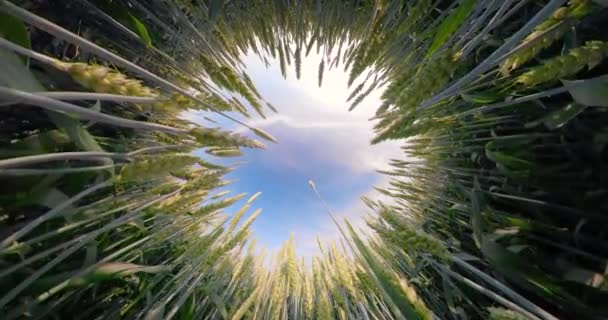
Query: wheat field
point(499, 204)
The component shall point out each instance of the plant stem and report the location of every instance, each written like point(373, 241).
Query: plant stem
point(85, 44)
point(497, 56)
point(32, 172)
point(57, 288)
point(506, 290)
point(82, 113)
point(489, 293)
point(158, 149)
point(60, 156)
point(512, 11)
point(93, 220)
point(71, 95)
point(52, 213)
point(535, 96)
point(79, 155)
point(471, 45)
point(27, 52)
point(79, 243)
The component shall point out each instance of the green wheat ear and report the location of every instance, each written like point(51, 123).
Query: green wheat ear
point(217, 137)
point(589, 55)
point(547, 33)
point(224, 152)
point(104, 80)
point(264, 135)
point(146, 167)
point(204, 181)
point(505, 314)
point(423, 311)
point(177, 103)
point(410, 239)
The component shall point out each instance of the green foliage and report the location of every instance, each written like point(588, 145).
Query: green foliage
point(589, 92)
point(123, 15)
point(450, 24)
point(14, 30)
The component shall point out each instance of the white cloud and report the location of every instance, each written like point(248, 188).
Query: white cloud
point(332, 93)
point(346, 135)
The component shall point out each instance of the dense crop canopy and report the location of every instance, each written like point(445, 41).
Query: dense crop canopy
point(499, 204)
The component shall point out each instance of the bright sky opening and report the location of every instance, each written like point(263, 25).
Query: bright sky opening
point(319, 139)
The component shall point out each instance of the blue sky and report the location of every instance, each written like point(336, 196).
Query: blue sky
point(319, 140)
